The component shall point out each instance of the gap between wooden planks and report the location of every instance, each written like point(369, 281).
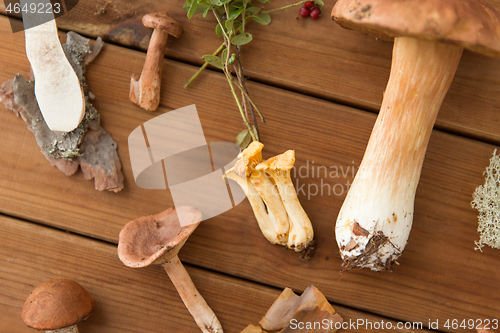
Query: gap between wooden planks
point(126, 299)
point(440, 277)
point(317, 58)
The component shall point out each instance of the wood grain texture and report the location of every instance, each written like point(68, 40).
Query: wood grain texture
point(126, 299)
point(317, 58)
point(440, 277)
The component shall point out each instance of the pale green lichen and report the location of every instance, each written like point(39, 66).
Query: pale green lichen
point(487, 202)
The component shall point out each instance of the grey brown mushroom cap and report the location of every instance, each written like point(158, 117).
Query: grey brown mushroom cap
point(157, 238)
point(473, 24)
point(163, 22)
point(57, 304)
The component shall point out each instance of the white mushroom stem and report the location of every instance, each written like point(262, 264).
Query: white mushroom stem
point(203, 315)
point(69, 329)
point(376, 218)
point(277, 212)
point(258, 207)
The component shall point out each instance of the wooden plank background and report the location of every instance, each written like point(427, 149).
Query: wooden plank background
point(438, 275)
point(338, 65)
point(126, 299)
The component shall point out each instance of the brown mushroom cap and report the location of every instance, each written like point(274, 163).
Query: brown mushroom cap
point(157, 237)
point(163, 22)
point(473, 24)
point(57, 304)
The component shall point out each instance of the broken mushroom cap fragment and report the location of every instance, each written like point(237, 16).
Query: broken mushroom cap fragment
point(57, 304)
point(300, 233)
point(311, 307)
point(145, 91)
point(157, 239)
point(375, 220)
point(250, 157)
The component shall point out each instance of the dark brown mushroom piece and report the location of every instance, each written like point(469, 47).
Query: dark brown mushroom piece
point(57, 305)
point(157, 239)
point(145, 90)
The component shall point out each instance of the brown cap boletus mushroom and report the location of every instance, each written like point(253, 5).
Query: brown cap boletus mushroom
point(57, 305)
point(157, 239)
point(429, 36)
point(145, 91)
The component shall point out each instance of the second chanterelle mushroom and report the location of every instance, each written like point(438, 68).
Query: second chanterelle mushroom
point(375, 220)
point(271, 194)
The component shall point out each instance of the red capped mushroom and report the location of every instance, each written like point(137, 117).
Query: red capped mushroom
point(57, 305)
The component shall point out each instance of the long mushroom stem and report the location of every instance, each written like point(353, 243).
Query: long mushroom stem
point(203, 315)
point(145, 91)
point(375, 220)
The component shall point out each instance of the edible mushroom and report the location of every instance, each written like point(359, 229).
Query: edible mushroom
point(375, 220)
point(157, 239)
point(145, 91)
point(300, 233)
point(57, 304)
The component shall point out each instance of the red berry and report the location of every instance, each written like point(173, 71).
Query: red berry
point(315, 13)
point(309, 4)
point(304, 11)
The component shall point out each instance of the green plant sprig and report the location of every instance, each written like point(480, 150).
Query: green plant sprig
point(232, 17)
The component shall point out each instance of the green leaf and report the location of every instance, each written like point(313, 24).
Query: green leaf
point(251, 10)
point(218, 30)
point(243, 139)
point(223, 55)
point(216, 2)
point(262, 18)
point(242, 39)
point(231, 60)
point(229, 24)
point(235, 13)
point(213, 60)
point(192, 9)
point(319, 3)
point(186, 5)
point(206, 11)
point(264, 1)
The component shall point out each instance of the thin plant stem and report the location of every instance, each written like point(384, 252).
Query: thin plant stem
point(284, 7)
point(229, 80)
point(221, 47)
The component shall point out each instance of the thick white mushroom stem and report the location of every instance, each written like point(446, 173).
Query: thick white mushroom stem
point(203, 315)
point(145, 91)
point(376, 218)
point(300, 233)
point(69, 329)
point(258, 207)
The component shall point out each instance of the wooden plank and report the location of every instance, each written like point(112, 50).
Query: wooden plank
point(313, 57)
point(126, 300)
point(432, 282)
